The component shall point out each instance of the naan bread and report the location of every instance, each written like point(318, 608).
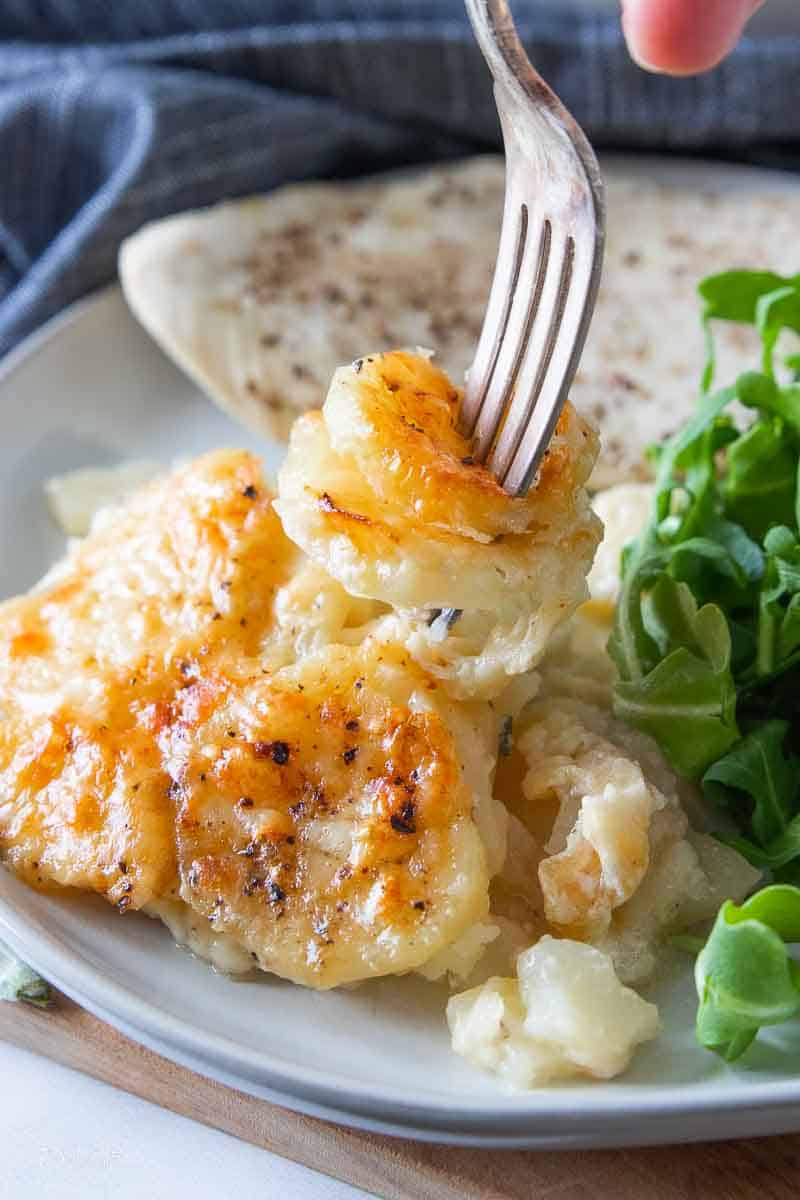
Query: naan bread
point(260, 300)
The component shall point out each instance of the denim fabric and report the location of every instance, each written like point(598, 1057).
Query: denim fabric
point(115, 113)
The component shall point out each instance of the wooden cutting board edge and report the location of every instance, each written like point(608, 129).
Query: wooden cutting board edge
point(400, 1169)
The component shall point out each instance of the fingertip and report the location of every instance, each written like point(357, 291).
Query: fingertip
point(683, 37)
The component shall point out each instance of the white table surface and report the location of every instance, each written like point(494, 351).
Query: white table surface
point(67, 1137)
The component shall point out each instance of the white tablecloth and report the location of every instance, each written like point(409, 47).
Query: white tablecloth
point(66, 1137)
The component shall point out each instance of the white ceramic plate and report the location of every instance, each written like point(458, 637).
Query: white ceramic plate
point(91, 388)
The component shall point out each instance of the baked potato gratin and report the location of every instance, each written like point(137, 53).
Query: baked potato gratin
point(275, 723)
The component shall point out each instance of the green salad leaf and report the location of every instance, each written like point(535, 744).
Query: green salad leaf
point(760, 485)
point(782, 852)
point(744, 975)
point(757, 781)
point(759, 391)
point(19, 982)
point(733, 295)
point(687, 701)
point(706, 641)
point(770, 302)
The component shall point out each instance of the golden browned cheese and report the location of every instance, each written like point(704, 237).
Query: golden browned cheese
point(159, 741)
point(381, 491)
point(380, 488)
point(323, 819)
point(396, 415)
point(175, 590)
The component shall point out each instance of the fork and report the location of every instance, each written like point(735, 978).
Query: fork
point(548, 263)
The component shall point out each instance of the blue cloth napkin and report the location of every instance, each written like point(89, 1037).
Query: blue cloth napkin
point(112, 114)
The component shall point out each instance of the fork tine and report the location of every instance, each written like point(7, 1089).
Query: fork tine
point(533, 369)
point(548, 371)
point(548, 265)
point(513, 234)
point(513, 337)
point(526, 305)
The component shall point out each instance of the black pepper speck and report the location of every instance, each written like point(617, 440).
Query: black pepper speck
point(277, 751)
point(403, 821)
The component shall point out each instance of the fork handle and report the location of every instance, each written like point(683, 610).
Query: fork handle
point(499, 42)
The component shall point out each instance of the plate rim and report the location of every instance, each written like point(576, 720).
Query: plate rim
point(534, 1117)
point(617, 1106)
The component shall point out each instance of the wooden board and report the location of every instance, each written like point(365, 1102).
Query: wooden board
point(397, 1169)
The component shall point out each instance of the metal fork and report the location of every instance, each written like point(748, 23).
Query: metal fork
point(548, 263)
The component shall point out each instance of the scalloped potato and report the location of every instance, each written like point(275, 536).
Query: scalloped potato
point(192, 714)
point(381, 491)
point(275, 723)
point(323, 818)
point(175, 587)
point(565, 1014)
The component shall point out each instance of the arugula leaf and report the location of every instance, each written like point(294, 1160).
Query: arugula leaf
point(686, 707)
point(687, 702)
point(777, 855)
point(706, 640)
point(744, 976)
point(756, 767)
point(756, 390)
point(788, 634)
point(19, 982)
point(720, 566)
point(760, 484)
point(632, 650)
point(734, 296)
point(783, 547)
point(694, 480)
point(776, 311)
point(779, 598)
point(744, 551)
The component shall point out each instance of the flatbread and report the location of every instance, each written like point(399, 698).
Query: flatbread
point(261, 300)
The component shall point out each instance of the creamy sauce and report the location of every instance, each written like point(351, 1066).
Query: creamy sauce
point(194, 933)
